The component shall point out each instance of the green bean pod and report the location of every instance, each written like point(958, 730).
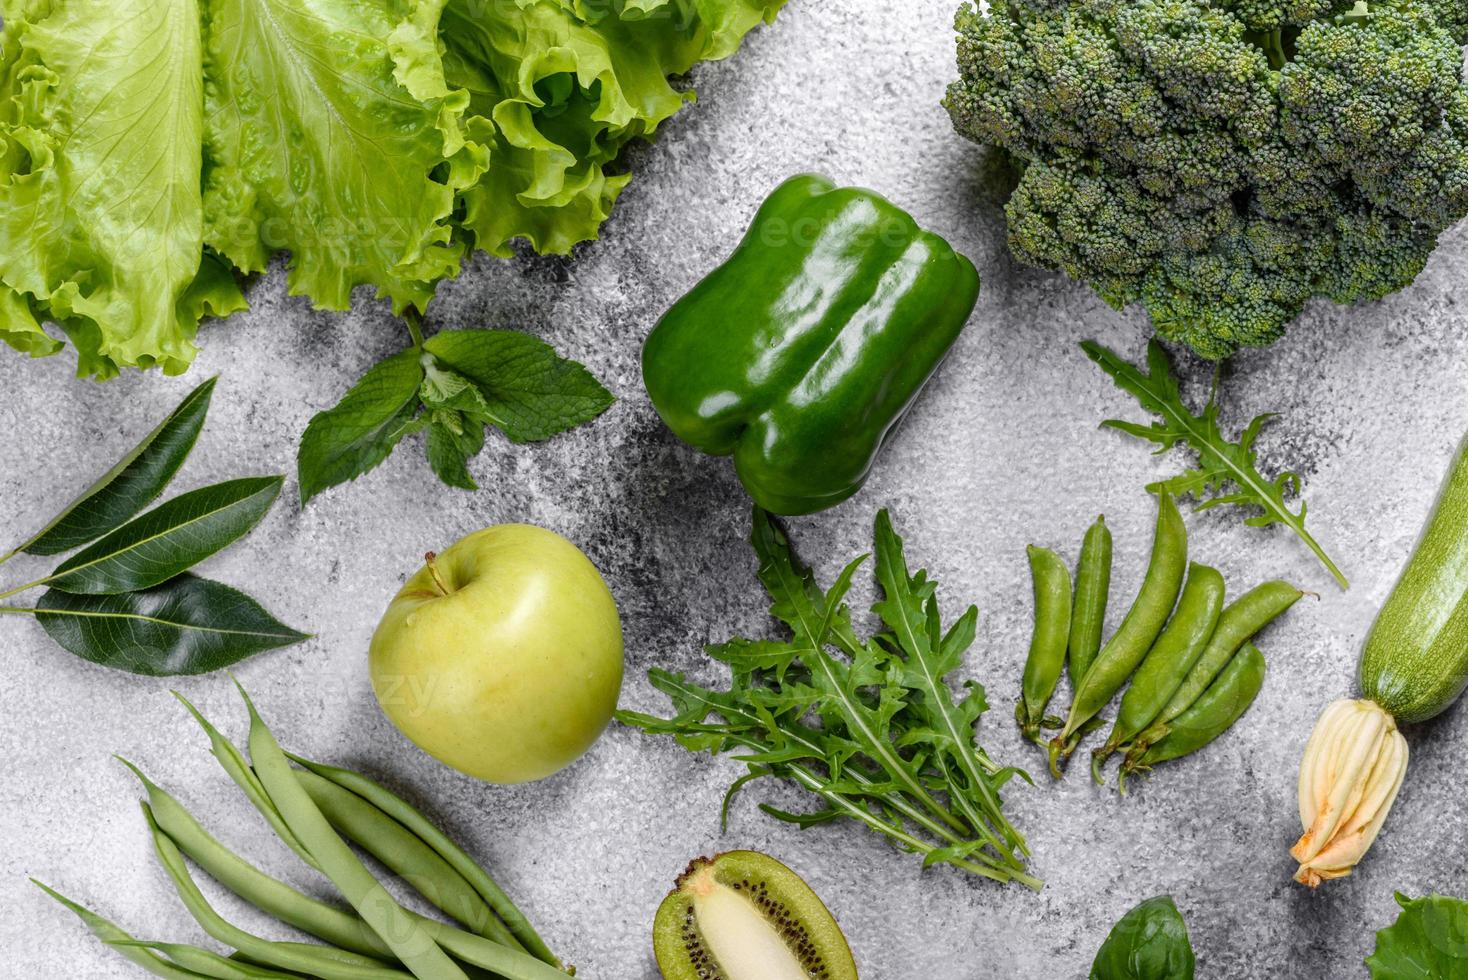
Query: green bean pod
point(325, 962)
point(1048, 644)
point(114, 936)
point(205, 962)
point(407, 815)
point(1148, 614)
point(1168, 662)
point(1215, 711)
point(1093, 587)
point(1241, 619)
point(405, 855)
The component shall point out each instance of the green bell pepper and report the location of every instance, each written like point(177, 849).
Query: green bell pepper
point(802, 352)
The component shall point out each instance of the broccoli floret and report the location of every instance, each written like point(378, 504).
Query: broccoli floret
point(1221, 163)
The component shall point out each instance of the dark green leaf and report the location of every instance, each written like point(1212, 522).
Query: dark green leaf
point(454, 439)
point(343, 442)
point(187, 625)
point(1220, 463)
point(169, 539)
point(1429, 941)
point(530, 392)
point(136, 480)
point(1149, 943)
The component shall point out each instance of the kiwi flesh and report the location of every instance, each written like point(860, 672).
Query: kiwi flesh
point(745, 916)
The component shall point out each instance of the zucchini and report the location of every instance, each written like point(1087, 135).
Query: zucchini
point(1415, 662)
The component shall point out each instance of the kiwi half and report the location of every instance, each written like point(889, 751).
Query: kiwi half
point(745, 916)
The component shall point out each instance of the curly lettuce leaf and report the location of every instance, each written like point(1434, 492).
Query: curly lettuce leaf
point(101, 219)
point(563, 86)
point(332, 134)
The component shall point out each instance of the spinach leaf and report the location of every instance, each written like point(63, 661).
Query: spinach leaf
point(1149, 943)
point(1429, 941)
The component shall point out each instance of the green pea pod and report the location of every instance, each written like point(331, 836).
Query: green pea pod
point(1093, 587)
point(1224, 703)
point(1169, 661)
point(1242, 618)
point(1047, 646)
point(1149, 612)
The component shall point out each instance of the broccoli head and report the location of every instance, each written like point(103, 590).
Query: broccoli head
point(1222, 162)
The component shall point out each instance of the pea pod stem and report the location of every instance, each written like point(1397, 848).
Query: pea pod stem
point(1092, 589)
point(1149, 612)
point(1215, 712)
point(1051, 581)
point(1168, 662)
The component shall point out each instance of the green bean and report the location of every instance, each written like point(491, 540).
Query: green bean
point(326, 922)
point(1047, 646)
point(206, 962)
point(1168, 662)
point(115, 937)
point(1093, 587)
point(1241, 619)
point(326, 962)
point(238, 768)
point(405, 814)
point(341, 928)
point(1149, 612)
point(374, 903)
point(403, 853)
point(1224, 703)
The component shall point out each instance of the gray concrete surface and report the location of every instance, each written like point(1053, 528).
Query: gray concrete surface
point(1003, 450)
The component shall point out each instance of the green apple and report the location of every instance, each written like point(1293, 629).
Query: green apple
point(502, 656)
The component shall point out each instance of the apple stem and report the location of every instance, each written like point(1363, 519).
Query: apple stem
point(432, 560)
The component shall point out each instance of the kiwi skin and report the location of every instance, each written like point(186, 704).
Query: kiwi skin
point(786, 901)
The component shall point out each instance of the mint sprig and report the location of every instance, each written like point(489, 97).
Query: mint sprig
point(453, 385)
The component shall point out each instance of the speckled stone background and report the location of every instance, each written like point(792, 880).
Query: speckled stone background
point(1001, 451)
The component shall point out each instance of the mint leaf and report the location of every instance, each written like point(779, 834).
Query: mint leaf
point(1226, 472)
point(530, 392)
point(1149, 943)
point(343, 442)
point(1429, 940)
point(454, 438)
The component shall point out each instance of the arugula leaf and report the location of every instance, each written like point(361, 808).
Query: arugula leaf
point(851, 720)
point(345, 441)
point(1428, 941)
point(1149, 943)
point(101, 217)
point(135, 481)
point(530, 392)
point(187, 625)
point(1221, 464)
point(331, 134)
